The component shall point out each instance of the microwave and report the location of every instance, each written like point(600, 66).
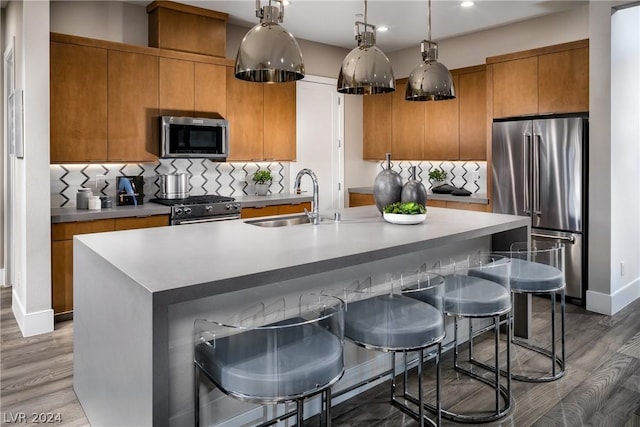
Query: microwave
point(194, 137)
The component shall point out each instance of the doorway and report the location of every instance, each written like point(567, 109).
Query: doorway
point(320, 140)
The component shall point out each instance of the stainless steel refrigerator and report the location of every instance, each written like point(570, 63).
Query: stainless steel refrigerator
point(539, 170)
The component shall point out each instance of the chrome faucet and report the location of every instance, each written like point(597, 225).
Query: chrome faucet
point(314, 215)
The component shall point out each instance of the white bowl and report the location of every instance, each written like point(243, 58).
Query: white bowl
point(404, 219)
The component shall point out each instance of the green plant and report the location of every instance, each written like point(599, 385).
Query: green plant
point(262, 176)
point(437, 175)
point(407, 208)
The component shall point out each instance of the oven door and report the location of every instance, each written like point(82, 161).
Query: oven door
point(178, 221)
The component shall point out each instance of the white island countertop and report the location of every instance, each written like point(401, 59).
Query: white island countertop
point(174, 258)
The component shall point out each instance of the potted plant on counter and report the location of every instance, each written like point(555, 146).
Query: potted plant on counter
point(437, 177)
point(262, 179)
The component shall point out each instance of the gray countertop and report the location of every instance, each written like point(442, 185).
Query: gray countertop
point(286, 252)
point(480, 198)
point(59, 215)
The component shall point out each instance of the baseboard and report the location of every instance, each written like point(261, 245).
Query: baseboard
point(611, 304)
point(39, 322)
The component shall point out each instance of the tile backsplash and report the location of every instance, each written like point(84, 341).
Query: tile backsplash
point(471, 175)
point(207, 177)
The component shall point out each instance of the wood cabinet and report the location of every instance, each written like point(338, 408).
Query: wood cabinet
point(78, 103)
point(279, 121)
point(176, 87)
point(455, 129)
point(479, 207)
point(62, 251)
point(553, 79)
point(210, 82)
point(269, 210)
point(106, 97)
point(407, 125)
point(262, 120)
point(133, 107)
point(473, 121)
point(360, 199)
point(442, 135)
point(376, 132)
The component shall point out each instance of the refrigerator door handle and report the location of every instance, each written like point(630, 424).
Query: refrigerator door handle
point(569, 239)
point(525, 154)
point(536, 174)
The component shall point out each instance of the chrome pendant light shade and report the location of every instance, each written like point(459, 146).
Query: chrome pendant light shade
point(269, 53)
point(366, 70)
point(430, 80)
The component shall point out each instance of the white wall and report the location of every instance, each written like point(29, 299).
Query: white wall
point(473, 49)
point(105, 20)
point(625, 155)
point(28, 22)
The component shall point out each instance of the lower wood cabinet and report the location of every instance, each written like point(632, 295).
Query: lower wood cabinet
point(275, 210)
point(360, 199)
point(62, 251)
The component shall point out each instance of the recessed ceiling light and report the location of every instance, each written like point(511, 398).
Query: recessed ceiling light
point(286, 2)
point(359, 15)
point(382, 28)
point(467, 3)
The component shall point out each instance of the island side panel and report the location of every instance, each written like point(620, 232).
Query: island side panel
point(112, 341)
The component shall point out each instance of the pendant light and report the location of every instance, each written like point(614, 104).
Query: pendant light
point(429, 80)
point(269, 53)
point(366, 69)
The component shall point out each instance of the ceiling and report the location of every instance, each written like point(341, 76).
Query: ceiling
point(332, 21)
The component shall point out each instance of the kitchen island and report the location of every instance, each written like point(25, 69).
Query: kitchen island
point(138, 292)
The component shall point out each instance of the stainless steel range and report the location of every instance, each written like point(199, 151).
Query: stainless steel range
point(197, 209)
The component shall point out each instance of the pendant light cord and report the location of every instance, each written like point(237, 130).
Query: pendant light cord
point(429, 21)
point(365, 14)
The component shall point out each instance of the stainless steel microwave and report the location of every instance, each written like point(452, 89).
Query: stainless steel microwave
point(194, 137)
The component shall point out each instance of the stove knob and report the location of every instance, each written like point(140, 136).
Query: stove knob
point(208, 208)
point(187, 210)
point(237, 205)
point(229, 206)
point(178, 211)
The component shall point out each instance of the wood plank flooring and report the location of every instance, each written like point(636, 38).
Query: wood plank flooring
point(601, 387)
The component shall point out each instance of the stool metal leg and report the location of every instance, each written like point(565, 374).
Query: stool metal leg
point(196, 400)
point(327, 409)
point(299, 412)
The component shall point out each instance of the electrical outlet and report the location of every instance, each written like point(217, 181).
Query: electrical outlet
point(621, 268)
point(475, 176)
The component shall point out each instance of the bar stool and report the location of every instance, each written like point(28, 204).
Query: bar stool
point(539, 269)
point(390, 320)
point(259, 360)
point(478, 288)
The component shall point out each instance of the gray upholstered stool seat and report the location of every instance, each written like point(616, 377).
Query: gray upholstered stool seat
point(475, 296)
point(306, 357)
point(528, 276)
point(393, 322)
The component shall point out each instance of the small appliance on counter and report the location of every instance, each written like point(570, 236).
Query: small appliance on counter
point(130, 190)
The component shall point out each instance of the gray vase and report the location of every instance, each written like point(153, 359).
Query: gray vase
point(413, 190)
point(387, 187)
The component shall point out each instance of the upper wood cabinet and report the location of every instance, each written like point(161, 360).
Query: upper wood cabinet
point(435, 130)
point(106, 97)
point(563, 81)
point(407, 125)
point(262, 120)
point(280, 121)
point(442, 136)
point(376, 111)
point(176, 87)
point(210, 82)
point(472, 101)
point(553, 79)
point(78, 103)
point(133, 107)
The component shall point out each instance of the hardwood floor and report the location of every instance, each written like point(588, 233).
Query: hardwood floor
point(601, 387)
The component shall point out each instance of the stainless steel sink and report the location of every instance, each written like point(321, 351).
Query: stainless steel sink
point(281, 221)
